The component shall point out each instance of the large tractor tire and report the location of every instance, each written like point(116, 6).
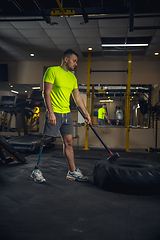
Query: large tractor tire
point(127, 175)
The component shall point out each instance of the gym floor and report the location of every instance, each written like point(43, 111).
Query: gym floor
point(60, 209)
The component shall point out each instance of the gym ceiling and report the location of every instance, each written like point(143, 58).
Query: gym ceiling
point(47, 28)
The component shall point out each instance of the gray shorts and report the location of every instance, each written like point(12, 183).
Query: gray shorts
point(64, 124)
point(101, 121)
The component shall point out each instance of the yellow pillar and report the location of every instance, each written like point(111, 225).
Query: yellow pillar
point(88, 99)
point(92, 106)
point(128, 91)
point(125, 122)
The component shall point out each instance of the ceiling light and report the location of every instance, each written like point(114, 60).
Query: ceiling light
point(32, 54)
point(103, 101)
point(126, 45)
point(25, 91)
point(156, 53)
point(14, 91)
point(11, 85)
point(90, 49)
point(35, 88)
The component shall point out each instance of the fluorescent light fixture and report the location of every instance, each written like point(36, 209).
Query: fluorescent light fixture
point(14, 91)
point(103, 101)
point(126, 45)
point(35, 88)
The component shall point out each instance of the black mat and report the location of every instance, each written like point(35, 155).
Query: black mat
point(62, 209)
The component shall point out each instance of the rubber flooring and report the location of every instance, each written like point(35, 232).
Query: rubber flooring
point(60, 209)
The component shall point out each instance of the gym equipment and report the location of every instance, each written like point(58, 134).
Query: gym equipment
point(128, 175)
point(29, 141)
point(8, 148)
point(119, 113)
point(8, 106)
point(112, 157)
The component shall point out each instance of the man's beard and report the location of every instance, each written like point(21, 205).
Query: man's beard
point(70, 69)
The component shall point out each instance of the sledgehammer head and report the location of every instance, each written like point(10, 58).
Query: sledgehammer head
point(113, 157)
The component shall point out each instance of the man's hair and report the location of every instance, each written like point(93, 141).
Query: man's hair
point(68, 53)
point(104, 104)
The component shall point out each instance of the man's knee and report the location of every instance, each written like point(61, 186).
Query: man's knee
point(68, 141)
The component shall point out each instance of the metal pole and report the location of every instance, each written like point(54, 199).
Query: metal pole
point(60, 6)
point(125, 122)
point(128, 101)
point(92, 106)
point(156, 128)
point(88, 99)
point(126, 71)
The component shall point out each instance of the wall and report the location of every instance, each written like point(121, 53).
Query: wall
point(146, 72)
point(142, 73)
point(116, 137)
point(27, 72)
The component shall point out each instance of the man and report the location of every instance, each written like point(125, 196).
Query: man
point(102, 114)
point(59, 84)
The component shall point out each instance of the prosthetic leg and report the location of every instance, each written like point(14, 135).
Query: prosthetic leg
point(37, 174)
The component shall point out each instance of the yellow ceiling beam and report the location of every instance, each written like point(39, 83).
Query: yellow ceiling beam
point(66, 12)
point(61, 11)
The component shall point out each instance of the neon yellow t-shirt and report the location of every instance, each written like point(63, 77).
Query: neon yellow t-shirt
point(63, 84)
point(101, 113)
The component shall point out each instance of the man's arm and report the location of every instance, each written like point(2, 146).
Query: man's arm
point(79, 101)
point(47, 90)
point(105, 114)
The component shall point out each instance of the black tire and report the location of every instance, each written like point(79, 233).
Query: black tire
point(127, 175)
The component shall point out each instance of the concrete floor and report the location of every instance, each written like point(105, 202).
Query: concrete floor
point(60, 209)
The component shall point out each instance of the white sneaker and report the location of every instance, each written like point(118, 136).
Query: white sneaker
point(37, 176)
point(76, 175)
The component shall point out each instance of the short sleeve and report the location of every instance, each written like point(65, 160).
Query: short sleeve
point(49, 75)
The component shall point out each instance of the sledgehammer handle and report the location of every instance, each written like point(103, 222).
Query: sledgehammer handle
point(90, 125)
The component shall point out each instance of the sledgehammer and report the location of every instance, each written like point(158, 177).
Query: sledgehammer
point(112, 157)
